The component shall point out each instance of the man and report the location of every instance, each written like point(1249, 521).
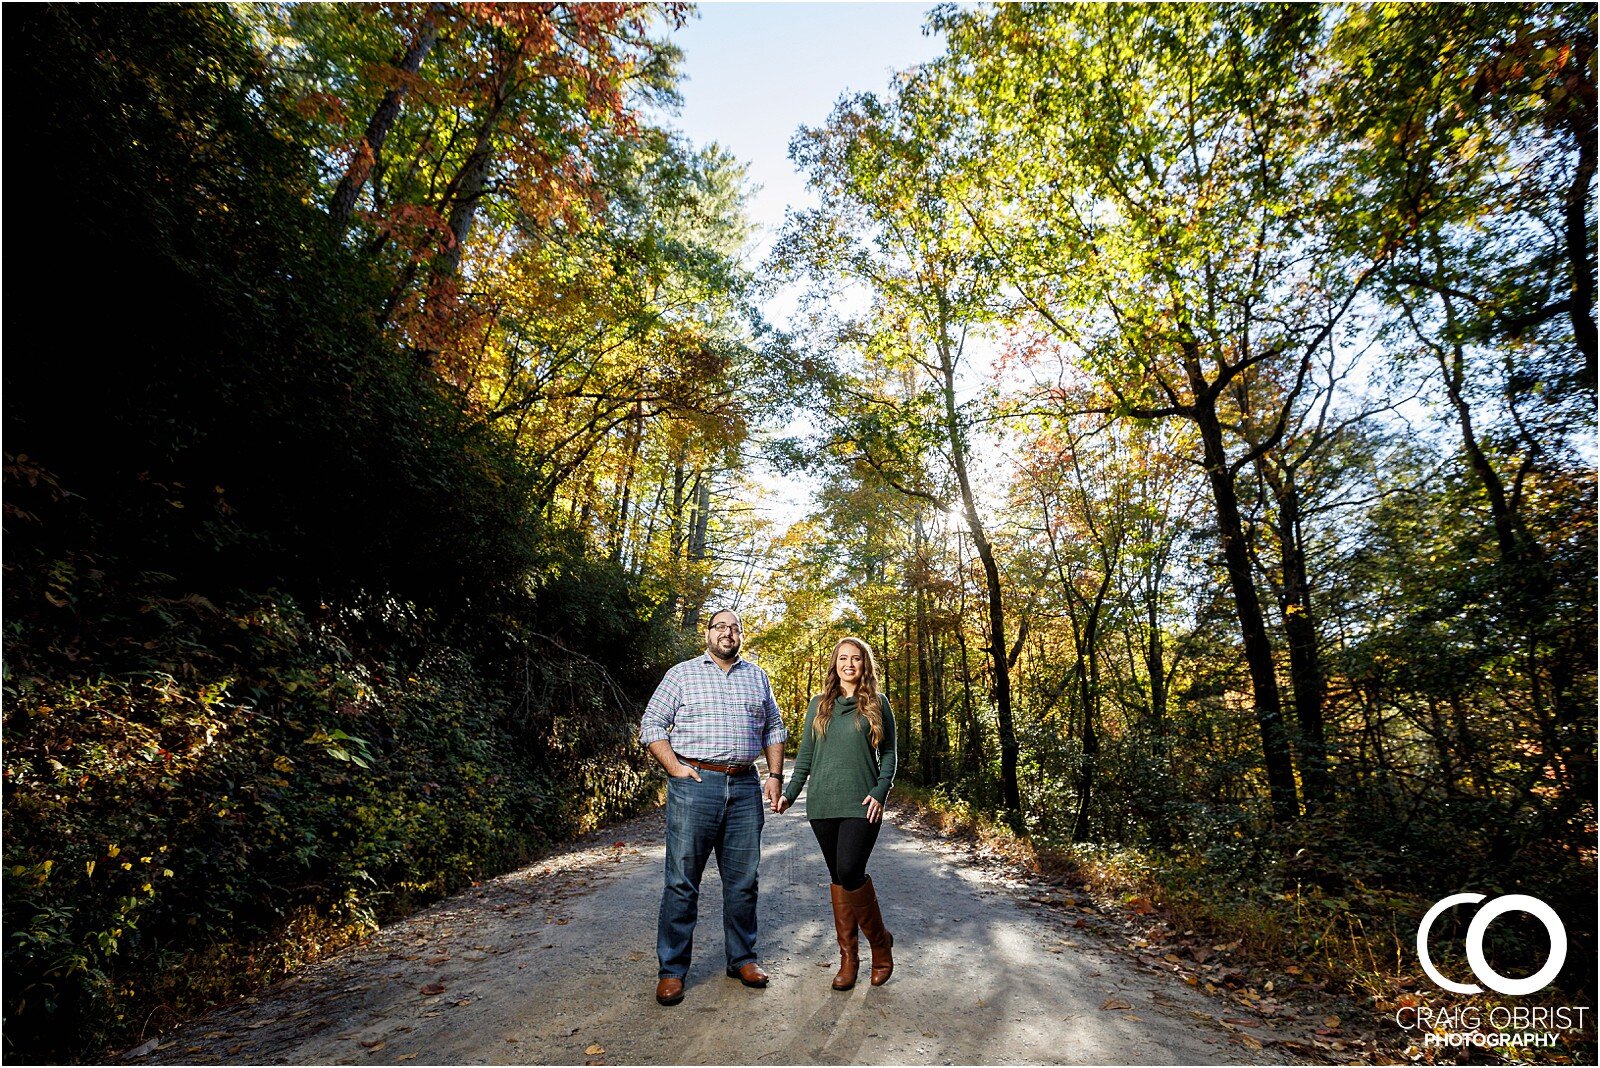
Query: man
point(706, 724)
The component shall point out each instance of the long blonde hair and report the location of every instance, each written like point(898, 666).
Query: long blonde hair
point(866, 693)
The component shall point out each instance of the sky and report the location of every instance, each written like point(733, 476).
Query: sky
point(754, 73)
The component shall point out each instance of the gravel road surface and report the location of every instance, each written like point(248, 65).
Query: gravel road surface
point(555, 964)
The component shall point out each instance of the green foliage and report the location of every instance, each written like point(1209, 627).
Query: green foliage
point(1285, 438)
point(296, 640)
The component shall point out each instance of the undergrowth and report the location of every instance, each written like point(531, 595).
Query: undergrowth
point(1282, 928)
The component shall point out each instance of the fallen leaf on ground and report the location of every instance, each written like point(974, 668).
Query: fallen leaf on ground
point(374, 1044)
point(1331, 1022)
point(595, 1050)
point(1115, 1003)
point(1250, 1042)
point(406, 1057)
point(439, 959)
point(433, 988)
point(1241, 1021)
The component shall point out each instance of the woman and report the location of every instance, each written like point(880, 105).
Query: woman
point(847, 752)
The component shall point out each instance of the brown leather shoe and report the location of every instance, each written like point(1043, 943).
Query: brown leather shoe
point(749, 973)
point(864, 901)
point(669, 991)
point(844, 928)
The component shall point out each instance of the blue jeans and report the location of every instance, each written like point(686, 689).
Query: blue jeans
point(722, 814)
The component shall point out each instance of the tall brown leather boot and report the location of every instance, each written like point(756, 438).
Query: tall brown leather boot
point(844, 926)
point(864, 902)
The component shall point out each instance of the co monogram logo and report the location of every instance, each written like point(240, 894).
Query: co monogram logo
point(1475, 931)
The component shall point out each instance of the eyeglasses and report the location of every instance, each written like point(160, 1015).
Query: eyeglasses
point(724, 628)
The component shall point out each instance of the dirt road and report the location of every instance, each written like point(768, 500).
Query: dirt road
point(555, 964)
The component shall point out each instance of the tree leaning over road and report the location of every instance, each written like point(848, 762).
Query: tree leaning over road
point(1275, 326)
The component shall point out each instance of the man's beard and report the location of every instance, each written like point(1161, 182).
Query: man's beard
point(728, 653)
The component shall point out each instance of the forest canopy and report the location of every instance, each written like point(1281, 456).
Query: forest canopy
point(1199, 401)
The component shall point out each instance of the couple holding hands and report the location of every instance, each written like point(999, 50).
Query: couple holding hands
point(706, 724)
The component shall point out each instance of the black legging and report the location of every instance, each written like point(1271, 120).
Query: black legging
point(846, 846)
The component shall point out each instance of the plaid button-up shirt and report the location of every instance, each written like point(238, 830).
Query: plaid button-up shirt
point(708, 714)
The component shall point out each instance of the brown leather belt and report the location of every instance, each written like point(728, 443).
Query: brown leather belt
point(726, 769)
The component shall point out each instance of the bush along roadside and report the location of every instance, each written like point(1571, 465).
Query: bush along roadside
point(1332, 970)
point(238, 786)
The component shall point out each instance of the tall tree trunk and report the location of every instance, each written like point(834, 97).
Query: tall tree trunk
point(1087, 639)
point(941, 727)
point(972, 742)
point(459, 202)
point(1090, 753)
point(925, 758)
point(1275, 750)
point(1155, 666)
point(1300, 626)
point(697, 546)
point(343, 204)
point(630, 463)
point(1010, 793)
point(676, 536)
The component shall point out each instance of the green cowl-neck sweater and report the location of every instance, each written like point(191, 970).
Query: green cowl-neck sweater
point(841, 766)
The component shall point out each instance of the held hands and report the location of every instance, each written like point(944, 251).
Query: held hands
point(772, 788)
point(783, 805)
point(874, 809)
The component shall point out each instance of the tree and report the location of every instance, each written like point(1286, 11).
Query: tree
point(890, 224)
point(1181, 215)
